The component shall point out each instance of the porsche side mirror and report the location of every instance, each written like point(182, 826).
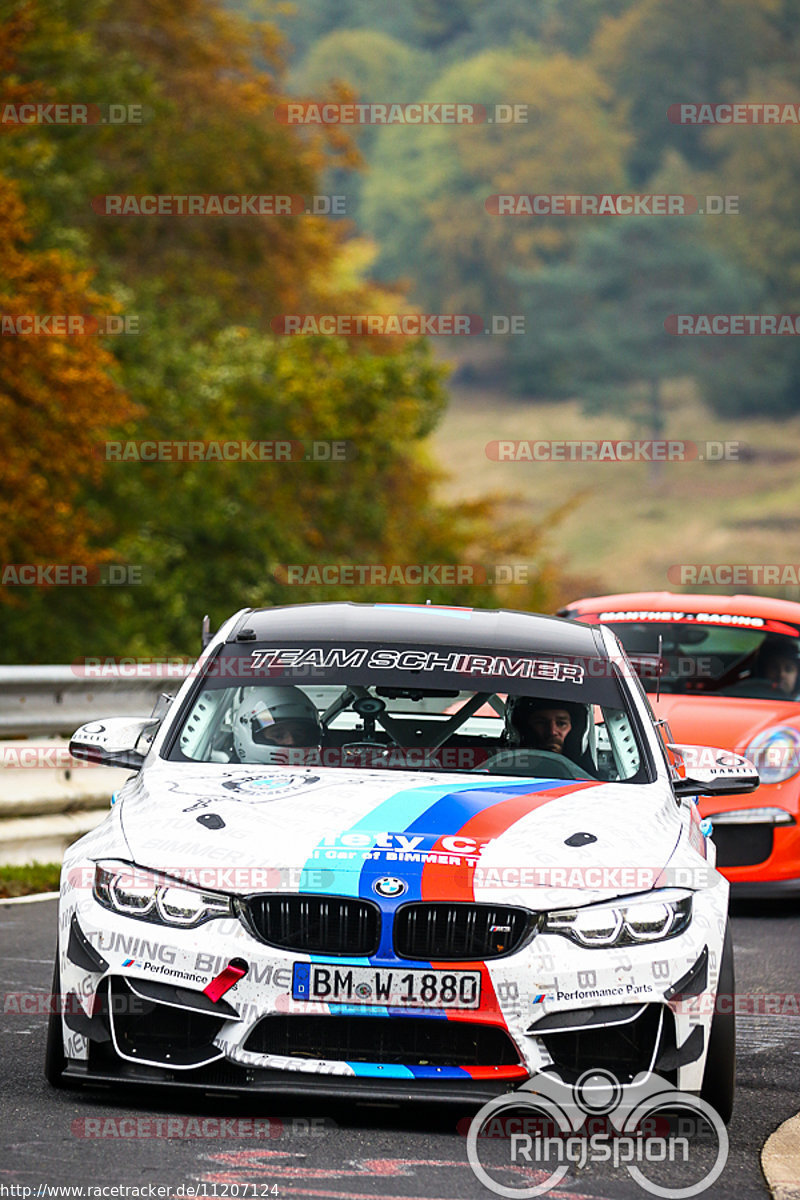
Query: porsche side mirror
point(709, 771)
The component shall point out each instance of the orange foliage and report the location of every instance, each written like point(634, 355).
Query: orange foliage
point(57, 399)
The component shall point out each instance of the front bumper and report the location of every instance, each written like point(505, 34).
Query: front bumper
point(139, 1014)
point(760, 859)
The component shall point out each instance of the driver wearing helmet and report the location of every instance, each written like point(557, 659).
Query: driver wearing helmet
point(269, 721)
point(557, 726)
point(779, 662)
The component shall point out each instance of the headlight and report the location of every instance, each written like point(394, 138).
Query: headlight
point(664, 914)
point(776, 753)
point(133, 892)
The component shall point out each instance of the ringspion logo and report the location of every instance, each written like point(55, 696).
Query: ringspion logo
point(550, 1127)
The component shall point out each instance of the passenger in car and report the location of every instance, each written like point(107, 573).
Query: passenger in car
point(268, 721)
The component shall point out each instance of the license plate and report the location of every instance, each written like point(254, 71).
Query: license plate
point(416, 988)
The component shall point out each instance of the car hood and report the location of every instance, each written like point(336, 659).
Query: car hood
point(448, 837)
point(730, 722)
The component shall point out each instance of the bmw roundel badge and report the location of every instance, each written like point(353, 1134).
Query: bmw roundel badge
point(390, 886)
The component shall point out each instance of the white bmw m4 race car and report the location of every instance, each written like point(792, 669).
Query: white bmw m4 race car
point(407, 851)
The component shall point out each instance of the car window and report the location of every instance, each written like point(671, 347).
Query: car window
point(693, 655)
point(344, 717)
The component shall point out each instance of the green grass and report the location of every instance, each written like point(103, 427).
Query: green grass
point(29, 879)
point(625, 528)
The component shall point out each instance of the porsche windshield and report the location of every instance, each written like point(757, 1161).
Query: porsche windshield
point(749, 657)
point(413, 708)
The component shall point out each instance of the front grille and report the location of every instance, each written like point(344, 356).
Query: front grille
point(459, 931)
point(409, 1041)
point(742, 845)
point(315, 924)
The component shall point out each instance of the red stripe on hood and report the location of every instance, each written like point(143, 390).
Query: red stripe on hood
point(442, 882)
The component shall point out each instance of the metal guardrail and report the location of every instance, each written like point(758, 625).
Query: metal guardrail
point(44, 807)
point(48, 799)
point(55, 700)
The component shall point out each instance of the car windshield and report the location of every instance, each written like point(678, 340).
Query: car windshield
point(720, 653)
point(413, 708)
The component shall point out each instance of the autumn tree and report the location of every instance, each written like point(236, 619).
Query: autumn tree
point(654, 55)
point(205, 365)
point(425, 200)
point(600, 320)
point(58, 397)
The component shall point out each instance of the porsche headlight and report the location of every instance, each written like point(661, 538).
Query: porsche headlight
point(134, 892)
point(776, 753)
point(651, 918)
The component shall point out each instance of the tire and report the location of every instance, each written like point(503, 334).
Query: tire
point(719, 1078)
point(54, 1060)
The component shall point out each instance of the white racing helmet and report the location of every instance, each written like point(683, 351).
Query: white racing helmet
point(268, 720)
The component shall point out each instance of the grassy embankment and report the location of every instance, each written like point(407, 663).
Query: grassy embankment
point(627, 528)
point(26, 880)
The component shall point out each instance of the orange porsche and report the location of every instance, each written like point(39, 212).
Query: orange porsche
point(725, 671)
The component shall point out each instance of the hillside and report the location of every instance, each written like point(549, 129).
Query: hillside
point(624, 529)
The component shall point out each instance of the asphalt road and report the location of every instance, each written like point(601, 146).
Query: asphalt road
point(335, 1151)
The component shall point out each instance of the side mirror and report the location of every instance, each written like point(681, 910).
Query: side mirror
point(115, 741)
point(709, 771)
